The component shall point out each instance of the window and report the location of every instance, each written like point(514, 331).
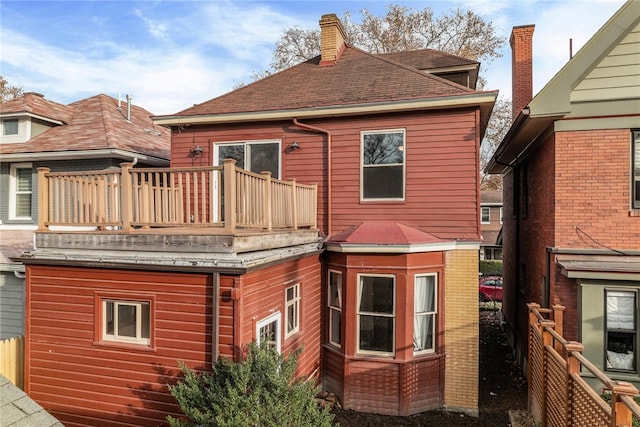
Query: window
point(269, 329)
point(383, 155)
point(636, 170)
point(376, 314)
point(255, 156)
point(10, 127)
point(292, 303)
point(485, 215)
point(21, 191)
point(126, 321)
point(621, 330)
point(335, 307)
point(424, 320)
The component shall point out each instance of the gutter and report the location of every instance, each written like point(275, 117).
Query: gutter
point(85, 154)
point(439, 102)
point(329, 174)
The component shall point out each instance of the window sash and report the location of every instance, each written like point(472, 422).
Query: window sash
point(485, 215)
point(635, 172)
point(269, 329)
point(292, 309)
point(376, 314)
point(425, 310)
point(383, 165)
point(126, 321)
point(621, 335)
point(334, 301)
point(21, 191)
point(10, 127)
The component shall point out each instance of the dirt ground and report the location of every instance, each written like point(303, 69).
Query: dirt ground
point(502, 387)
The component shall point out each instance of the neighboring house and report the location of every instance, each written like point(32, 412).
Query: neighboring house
point(94, 133)
point(371, 268)
point(491, 224)
point(571, 167)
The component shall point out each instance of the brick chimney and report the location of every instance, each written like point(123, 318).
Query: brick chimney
point(521, 67)
point(332, 39)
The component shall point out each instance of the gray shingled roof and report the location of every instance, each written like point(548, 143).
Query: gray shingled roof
point(19, 410)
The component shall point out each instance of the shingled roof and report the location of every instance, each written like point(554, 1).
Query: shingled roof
point(354, 82)
point(35, 105)
point(93, 124)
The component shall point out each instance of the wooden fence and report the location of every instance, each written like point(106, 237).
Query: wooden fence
point(12, 360)
point(214, 196)
point(558, 395)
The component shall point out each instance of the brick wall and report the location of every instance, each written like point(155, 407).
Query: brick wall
point(461, 330)
point(521, 42)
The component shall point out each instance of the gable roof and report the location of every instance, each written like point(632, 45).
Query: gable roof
point(358, 83)
point(559, 98)
point(97, 127)
point(35, 105)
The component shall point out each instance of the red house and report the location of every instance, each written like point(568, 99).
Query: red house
point(334, 206)
point(571, 173)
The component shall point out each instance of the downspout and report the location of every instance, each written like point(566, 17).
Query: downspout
point(329, 175)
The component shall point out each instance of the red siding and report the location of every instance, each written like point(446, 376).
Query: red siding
point(441, 167)
point(82, 381)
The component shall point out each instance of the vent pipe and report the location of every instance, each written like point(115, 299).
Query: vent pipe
point(128, 107)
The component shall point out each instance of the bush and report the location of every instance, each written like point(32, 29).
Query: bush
point(260, 391)
point(491, 267)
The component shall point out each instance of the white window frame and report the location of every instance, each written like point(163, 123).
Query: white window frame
point(335, 309)
point(13, 190)
point(635, 170)
point(275, 317)
point(292, 304)
point(391, 315)
point(115, 337)
point(4, 126)
point(433, 313)
point(613, 326)
point(402, 148)
point(486, 209)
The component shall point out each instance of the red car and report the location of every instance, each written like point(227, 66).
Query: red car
point(490, 288)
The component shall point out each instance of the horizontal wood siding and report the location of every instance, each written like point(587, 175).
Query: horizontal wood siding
point(263, 293)
point(441, 166)
point(374, 387)
point(83, 381)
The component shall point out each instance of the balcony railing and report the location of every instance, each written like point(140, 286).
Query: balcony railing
point(225, 196)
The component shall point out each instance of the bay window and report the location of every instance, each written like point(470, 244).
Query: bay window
point(425, 308)
point(335, 307)
point(376, 314)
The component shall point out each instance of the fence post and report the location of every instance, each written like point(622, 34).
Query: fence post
point(126, 195)
point(547, 340)
point(573, 367)
point(533, 323)
point(558, 317)
point(621, 415)
point(43, 199)
point(229, 171)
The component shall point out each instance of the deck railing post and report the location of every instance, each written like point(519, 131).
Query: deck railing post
point(558, 317)
point(294, 203)
point(621, 415)
point(126, 196)
point(314, 203)
point(267, 204)
point(533, 323)
point(229, 177)
point(573, 367)
point(43, 199)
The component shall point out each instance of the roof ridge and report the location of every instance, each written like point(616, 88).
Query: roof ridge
point(107, 120)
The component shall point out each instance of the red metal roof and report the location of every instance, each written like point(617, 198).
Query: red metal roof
point(383, 233)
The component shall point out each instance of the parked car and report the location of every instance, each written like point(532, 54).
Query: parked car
point(490, 288)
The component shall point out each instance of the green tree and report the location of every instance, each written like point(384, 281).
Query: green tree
point(9, 92)
point(259, 391)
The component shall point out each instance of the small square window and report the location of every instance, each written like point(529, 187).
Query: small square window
point(126, 321)
point(292, 297)
point(10, 127)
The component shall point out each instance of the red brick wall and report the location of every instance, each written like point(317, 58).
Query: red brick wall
point(522, 67)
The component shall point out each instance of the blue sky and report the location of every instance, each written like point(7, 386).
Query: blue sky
point(170, 55)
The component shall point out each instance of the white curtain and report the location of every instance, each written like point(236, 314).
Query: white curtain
point(424, 312)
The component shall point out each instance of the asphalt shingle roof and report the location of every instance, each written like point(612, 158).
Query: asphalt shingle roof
point(36, 104)
point(19, 410)
point(98, 123)
point(356, 78)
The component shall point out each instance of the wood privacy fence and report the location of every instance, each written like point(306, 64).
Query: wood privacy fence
point(12, 360)
point(215, 196)
point(558, 395)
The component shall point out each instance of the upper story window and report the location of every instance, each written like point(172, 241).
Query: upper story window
point(126, 321)
point(292, 308)
point(21, 190)
point(485, 215)
point(425, 310)
point(636, 170)
point(10, 127)
point(376, 314)
point(621, 331)
point(334, 301)
point(255, 156)
point(383, 160)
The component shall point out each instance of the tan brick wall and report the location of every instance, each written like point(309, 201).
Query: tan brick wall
point(461, 330)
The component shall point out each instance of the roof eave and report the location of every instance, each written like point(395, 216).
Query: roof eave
point(84, 155)
point(466, 100)
point(33, 116)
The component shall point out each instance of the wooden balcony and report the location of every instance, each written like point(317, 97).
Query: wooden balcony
point(197, 202)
